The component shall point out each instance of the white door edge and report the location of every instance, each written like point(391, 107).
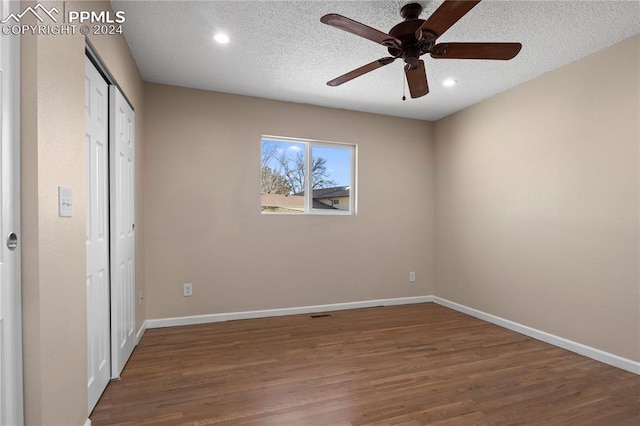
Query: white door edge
point(11, 398)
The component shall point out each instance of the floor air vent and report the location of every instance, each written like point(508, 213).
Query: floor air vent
point(314, 316)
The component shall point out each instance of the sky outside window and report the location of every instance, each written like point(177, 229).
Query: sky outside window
point(338, 163)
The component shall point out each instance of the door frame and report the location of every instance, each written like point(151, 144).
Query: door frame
point(10, 158)
point(91, 52)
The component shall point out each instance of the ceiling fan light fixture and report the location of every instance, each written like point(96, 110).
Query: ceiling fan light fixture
point(221, 38)
point(450, 82)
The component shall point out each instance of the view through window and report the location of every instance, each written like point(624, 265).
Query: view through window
point(300, 176)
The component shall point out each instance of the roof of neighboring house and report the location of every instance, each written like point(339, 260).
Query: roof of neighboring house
point(334, 192)
point(291, 202)
point(284, 201)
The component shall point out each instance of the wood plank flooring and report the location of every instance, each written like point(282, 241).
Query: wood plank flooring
point(398, 365)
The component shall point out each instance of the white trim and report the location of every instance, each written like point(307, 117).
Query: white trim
point(141, 331)
point(289, 139)
point(570, 345)
point(12, 382)
point(230, 316)
point(588, 351)
point(87, 423)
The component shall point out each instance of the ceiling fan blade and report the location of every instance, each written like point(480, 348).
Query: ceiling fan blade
point(444, 17)
point(360, 71)
point(499, 51)
point(362, 30)
point(417, 79)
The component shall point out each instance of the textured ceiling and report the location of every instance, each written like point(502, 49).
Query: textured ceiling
point(280, 50)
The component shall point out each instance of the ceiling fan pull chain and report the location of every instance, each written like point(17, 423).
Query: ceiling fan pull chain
point(404, 86)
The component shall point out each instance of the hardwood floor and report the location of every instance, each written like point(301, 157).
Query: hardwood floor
point(397, 365)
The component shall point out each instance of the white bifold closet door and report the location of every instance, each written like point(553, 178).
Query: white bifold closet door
point(98, 268)
point(110, 232)
point(122, 147)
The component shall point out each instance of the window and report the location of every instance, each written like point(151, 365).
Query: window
point(301, 176)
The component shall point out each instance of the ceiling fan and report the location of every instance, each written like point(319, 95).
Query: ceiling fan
point(414, 37)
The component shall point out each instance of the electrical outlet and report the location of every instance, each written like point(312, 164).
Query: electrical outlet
point(412, 277)
point(187, 290)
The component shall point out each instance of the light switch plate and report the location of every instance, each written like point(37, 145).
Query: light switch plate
point(65, 205)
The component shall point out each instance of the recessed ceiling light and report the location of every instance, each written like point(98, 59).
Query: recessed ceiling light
point(221, 38)
point(449, 82)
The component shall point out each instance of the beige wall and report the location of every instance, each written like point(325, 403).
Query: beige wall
point(54, 312)
point(54, 266)
point(537, 203)
point(202, 208)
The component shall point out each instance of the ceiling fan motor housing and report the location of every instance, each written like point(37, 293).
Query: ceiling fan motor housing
point(412, 48)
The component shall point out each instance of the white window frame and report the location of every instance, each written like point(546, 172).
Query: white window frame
point(308, 200)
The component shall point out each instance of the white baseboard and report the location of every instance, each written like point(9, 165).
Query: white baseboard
point(202, 319)
point(87, 423)
point(588, 351)
point(141, 331)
